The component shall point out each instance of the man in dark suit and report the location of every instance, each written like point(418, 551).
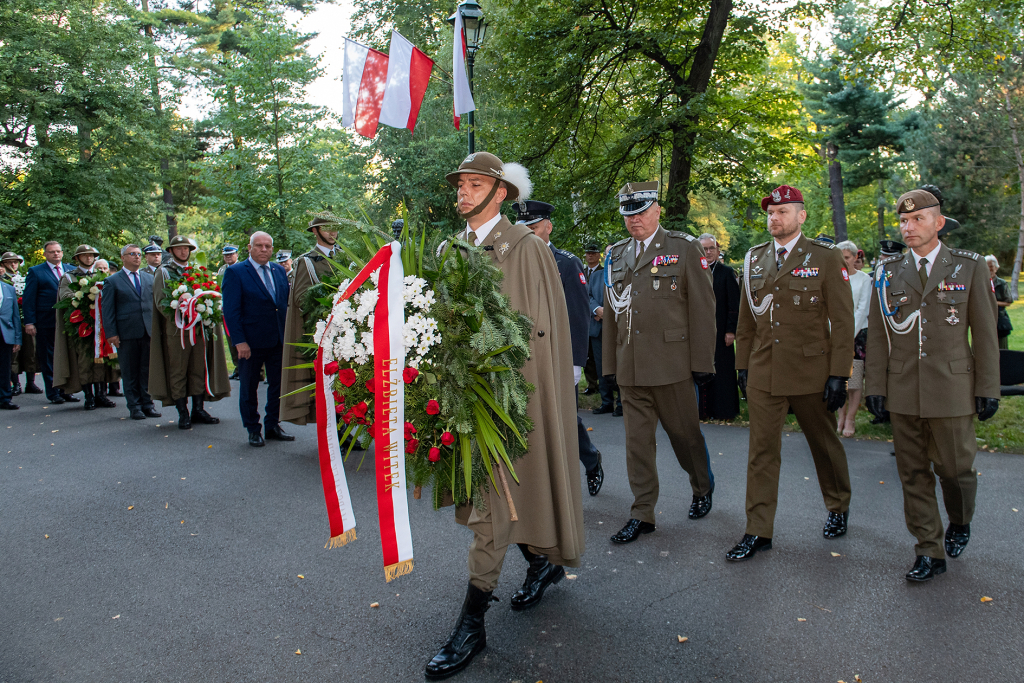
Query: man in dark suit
point(127, 319)
point(41, 286)
point(537, 217)
point(720, 398)
point(10, 340)
point(255, 306)
point(592, 265)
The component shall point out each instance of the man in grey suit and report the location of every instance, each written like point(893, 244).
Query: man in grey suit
point(10, 340)
point(127, 319)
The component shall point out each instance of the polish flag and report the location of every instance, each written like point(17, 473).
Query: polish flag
point(408, 74)
point(463, 94)
point(363, 79)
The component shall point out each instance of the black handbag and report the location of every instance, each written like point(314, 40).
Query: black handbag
point(1003, 325)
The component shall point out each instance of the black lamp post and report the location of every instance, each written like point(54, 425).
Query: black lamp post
point(476, 28)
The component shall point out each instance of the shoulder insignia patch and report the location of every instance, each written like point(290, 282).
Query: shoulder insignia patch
point(825, 245)
point(621, 242)
point(965, 253)
point(679, 233)
point(891, 259)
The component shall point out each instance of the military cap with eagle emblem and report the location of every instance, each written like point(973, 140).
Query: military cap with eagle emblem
point(783, 194)
point(915, 200)
point(532, 212)
point(152, 249)
point(283, 255)
point(636, 198)
point(229, 249)
point(9, 256)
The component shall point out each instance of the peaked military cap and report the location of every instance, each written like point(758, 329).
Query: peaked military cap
point(152, 249)
point(950, 225)
point(531, 212)
point(783, 194)
point(891, 247)
point(182, 241)
point(283, 255)
point(822, 237)
point(487, 164)
point(915, 200)
point(10, 256)
point(82, 250)
point(636, 198)
point(229, 249)
point(592, 248)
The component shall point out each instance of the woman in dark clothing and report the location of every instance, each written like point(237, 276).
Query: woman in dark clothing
point(720, 400)
point(1003, 300)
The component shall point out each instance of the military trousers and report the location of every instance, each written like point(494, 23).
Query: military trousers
point(186, 367)
point(926, 447)
point(676, 406)
point(764, 460)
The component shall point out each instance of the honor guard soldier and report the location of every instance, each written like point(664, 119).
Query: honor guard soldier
point(177, 367)
point(658, 341)
point(284, 259)
point(537, 217)
point(308, 269)
point(154, 256)
point(794, 349)
point(229, 254)
point(934, 364)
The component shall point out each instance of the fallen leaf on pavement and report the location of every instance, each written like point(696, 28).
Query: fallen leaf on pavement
point(166, 505)
point(836, 555)
point(182, 521)
point(881, 482)
point(857, 678)
point(1015, 509)
point(986, 599)
point(298, 652)
point(210, 446)
point(800, 619)
point(131, 507)
point(116, 617)
point(590, 429)
point(571, 577)
point(301, 576)
point(682, 639)
point(374, 604)
point(46, 535)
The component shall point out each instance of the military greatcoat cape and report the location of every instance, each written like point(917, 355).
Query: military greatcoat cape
point(306, 272)
point(74, 365)
point(165, 348)
point(547, 498)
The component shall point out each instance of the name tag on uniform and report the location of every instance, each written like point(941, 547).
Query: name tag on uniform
point(666, 260)
point(951, 287)
point(805, 272)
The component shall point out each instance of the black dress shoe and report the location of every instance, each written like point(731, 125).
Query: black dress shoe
point(32, 389)
point(957, 536)
point(595, 479)
point(617, 412)
point(68, 398)
point(138, 415)
point(746, 548)
point(632, 531)
point(835, 525)
point(233, 375)
point(539, 576)
point(701, 505)
point(256, 440)
point(9, 406)
point(602, 410)
point(925, 568)
point(57, 401)
point(277, 434)
point(104, 402)
point(150, 412)
point(467, 638)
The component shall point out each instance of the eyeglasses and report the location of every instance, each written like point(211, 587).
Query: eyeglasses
point(133, 253)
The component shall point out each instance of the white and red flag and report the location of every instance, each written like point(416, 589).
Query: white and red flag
point(380, 88)
point(463, 94)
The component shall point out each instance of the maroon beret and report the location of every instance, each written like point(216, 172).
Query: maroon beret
point(783, 194)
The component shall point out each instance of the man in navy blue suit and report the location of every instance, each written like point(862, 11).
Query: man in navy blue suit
point(41, 286)
point(255, 299)
point(10, 340)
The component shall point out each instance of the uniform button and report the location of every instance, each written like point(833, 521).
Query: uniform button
point(923, 321)
point(776, 289)
point(540, 333)
point(776, 305)
point(923, 338)
point(924, 355)
point(923, 304)
point(776, 341)
point(777, 324)
point(805, 289)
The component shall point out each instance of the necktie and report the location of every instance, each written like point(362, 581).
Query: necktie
point(135, 281)
point(781, 259)
point(268, 280)
point(922, 271)
point(640, 249)
point(471, 237)
point(57, 273)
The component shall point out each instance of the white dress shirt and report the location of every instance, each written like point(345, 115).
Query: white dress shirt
point(484, 230)
point(931, 256)
point(646, 243)
point(326, 251)
point(788, 246)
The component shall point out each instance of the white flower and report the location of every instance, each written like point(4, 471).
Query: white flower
point(174, 304)
point(82, 282)
point(186, 296)
point(94, 290)
point(79, 295)
point(201, 308)
point(92, 297)
point(92, 307)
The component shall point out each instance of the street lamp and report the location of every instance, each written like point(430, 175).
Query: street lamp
point(476, 28)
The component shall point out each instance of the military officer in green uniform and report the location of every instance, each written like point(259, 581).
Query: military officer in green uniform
point(658, 339)
point(177, 367)
point(154, 257)
point(794, 349)
point(306, 272)
point(25, 359)
point(229, 253)
point(934, 364)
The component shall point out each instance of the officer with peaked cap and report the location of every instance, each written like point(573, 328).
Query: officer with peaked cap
point(659, 342)
point(284, 259)
point(154, 257)
point(887, 248)
point(537, 216)
point(75, 368)
point(549, 529)
point(229, 255)
point(794, 349)
point(934, 364)
point(179, 368)
point(306, 272)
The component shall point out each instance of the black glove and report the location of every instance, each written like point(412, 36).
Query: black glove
point(741, 379)
point(876, 406)
point(835, 393)
point(985, 407)
point(702, 378)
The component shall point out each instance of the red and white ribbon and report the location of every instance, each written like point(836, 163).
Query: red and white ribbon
point(332, 467)
point(100, 347)
point(186, 317)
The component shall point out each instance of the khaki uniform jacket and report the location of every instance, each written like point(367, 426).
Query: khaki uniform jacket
point(72, 366)
point(668, 332)
point(806, 334)
point(306, 272)
point(165, 331)
point(548, 496)
point(940, 374)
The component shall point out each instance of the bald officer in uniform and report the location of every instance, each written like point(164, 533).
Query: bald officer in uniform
point(794, 349)
point(934, 364)
point(658, 340)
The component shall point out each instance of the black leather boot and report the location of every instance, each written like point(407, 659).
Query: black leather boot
point(539, 576)
point(100, 390)
point(90, 397)
point(16, 387)
point(183, 419)
point(467, 638)
point(199, 415)
point(114, 389)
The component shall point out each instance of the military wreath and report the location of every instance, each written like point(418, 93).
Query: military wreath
point(193, 300)
point(80, 311)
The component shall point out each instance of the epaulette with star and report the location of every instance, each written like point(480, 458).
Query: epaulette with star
point(679, 233)
point(891, 259)
point(826, 245)
point(974, 256)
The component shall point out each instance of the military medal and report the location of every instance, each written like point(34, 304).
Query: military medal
point(952, 319)
point(657, 282)
point(806, 259)
point(956, 270)
point(503, 248)
point(941, 296)
point(654, 269)
point(815, 299)
point(796, 300)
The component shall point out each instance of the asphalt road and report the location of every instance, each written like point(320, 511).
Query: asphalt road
point(133, 551)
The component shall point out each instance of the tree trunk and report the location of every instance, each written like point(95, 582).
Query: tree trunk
point(1015, 277)
point(835, 185)
point(84, 143)
point(165, 164)
point(881, 209)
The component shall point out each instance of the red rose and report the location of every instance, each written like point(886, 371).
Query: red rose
point(411, 447)
point(85, 330)
point(435, 454)
point(432, 407)
point(339, 408)
point(347, 417)
point(76, 317)
point(409, 430)
point(331, 368)
point(409, 375)
point(369, 385)
point(338, 398)
point(346, 376)
point(447, 438)
point(359, 409)
point(202, 267)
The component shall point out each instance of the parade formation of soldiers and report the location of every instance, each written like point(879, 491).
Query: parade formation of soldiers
point(641, 323)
